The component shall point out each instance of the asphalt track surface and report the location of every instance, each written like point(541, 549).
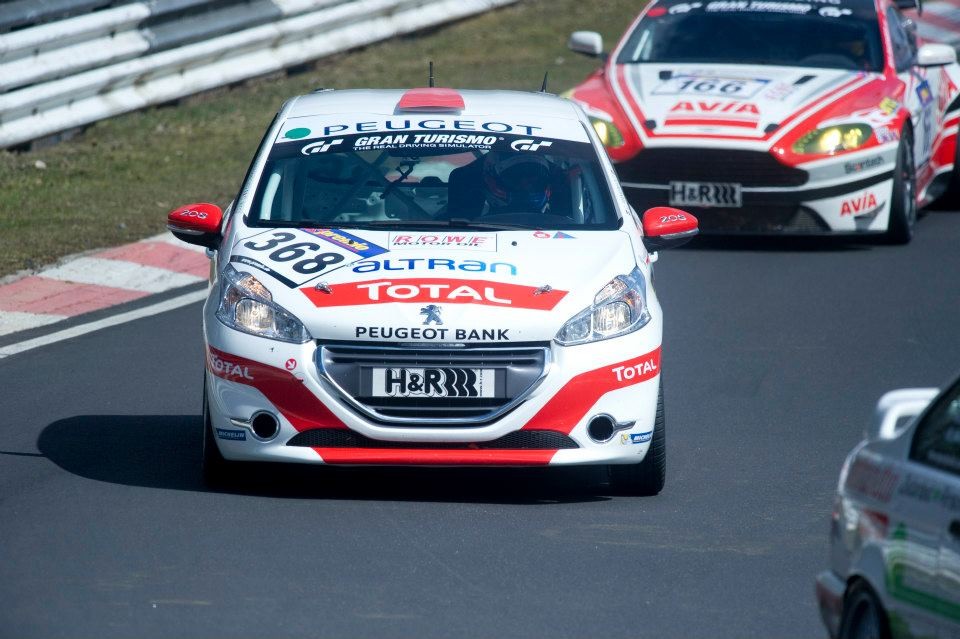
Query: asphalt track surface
point(775, 354)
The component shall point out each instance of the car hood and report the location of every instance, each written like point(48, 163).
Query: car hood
point(463, 286)
point(737, 101)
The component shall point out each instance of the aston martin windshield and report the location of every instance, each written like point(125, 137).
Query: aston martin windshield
point(757, 32)
point(434, 178)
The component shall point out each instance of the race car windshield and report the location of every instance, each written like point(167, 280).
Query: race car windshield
point(429, 178)
point(829, 37)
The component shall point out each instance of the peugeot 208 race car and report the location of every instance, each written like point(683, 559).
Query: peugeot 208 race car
point(769, 117)
point(437, 278)
point(895, 534)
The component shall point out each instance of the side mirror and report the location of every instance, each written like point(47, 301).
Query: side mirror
point(196, 224)
point(589, 43)
point(895, 406)
point(936, 55)
point(665, 227)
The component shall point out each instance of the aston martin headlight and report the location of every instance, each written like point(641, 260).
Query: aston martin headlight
point(619, 308)
point(833, 139)
point(246, 305)
point(608, 132)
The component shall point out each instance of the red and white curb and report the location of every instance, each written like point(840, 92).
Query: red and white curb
point(940, 22)
point(99, 280)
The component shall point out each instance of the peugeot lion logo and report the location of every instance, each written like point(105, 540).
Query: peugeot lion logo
point(432, 313)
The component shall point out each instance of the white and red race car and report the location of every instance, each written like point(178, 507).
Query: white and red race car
point(762, 117)
point(434, 277)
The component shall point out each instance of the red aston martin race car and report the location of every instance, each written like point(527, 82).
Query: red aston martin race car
point(828, 116)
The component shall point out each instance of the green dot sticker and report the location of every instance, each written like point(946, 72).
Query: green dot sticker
point(296, 134)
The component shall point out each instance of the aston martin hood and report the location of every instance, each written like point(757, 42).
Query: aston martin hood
point(457, 286)
point(738, 101)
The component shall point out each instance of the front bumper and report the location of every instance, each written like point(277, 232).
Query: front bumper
point(247, 374)
point(850, 193)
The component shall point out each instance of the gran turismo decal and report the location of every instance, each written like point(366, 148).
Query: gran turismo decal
point(320, 147)
point(434, 264)
point(447, 241)
point(449, 291)
point(529, 145)
point(424, 140)
point(572, 402)
point(442, 334)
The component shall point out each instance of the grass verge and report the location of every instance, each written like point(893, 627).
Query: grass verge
point(116, 182)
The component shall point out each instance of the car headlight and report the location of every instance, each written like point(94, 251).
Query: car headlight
point(608, 132)
point(619, 308)
point(246, 305)
point(833, 139)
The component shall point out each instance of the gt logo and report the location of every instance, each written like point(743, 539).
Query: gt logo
point(528, 145)
point(320, 147)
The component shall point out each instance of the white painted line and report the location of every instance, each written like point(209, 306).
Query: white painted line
point(120, 274)
point(13, 321)
point(83, 329)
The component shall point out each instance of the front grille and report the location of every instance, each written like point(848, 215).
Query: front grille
point(517, 369)
point(519, 440)
point(748, 168)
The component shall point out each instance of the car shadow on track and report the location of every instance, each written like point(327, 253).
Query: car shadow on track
point(158, 451)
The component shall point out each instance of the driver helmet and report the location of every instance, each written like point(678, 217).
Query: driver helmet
point(518, 182)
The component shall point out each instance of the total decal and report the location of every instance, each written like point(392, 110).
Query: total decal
point(297, 256)
point(227, 370)
point(449, 291)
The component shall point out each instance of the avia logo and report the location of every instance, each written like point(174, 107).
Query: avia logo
point(223, 368)
point(865, 203)
point(428, 292)
point(320, 147)
point(529, 145)
point(702, 107)
point(432, 313)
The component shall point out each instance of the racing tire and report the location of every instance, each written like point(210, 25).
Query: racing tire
point(217, 470)
point(863, 615)
point(903, 201)
point(648, 477)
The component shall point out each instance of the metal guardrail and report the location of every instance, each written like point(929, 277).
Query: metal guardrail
point(76, 65)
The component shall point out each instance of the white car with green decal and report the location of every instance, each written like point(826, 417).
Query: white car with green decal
point(895, 535)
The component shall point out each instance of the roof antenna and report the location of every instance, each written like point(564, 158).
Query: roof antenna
point(543, 87)
point(431, 74)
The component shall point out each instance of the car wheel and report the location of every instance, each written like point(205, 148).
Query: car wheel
point(903, 204)
point(863, 615)
point(216, 468)
point(648, 477)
